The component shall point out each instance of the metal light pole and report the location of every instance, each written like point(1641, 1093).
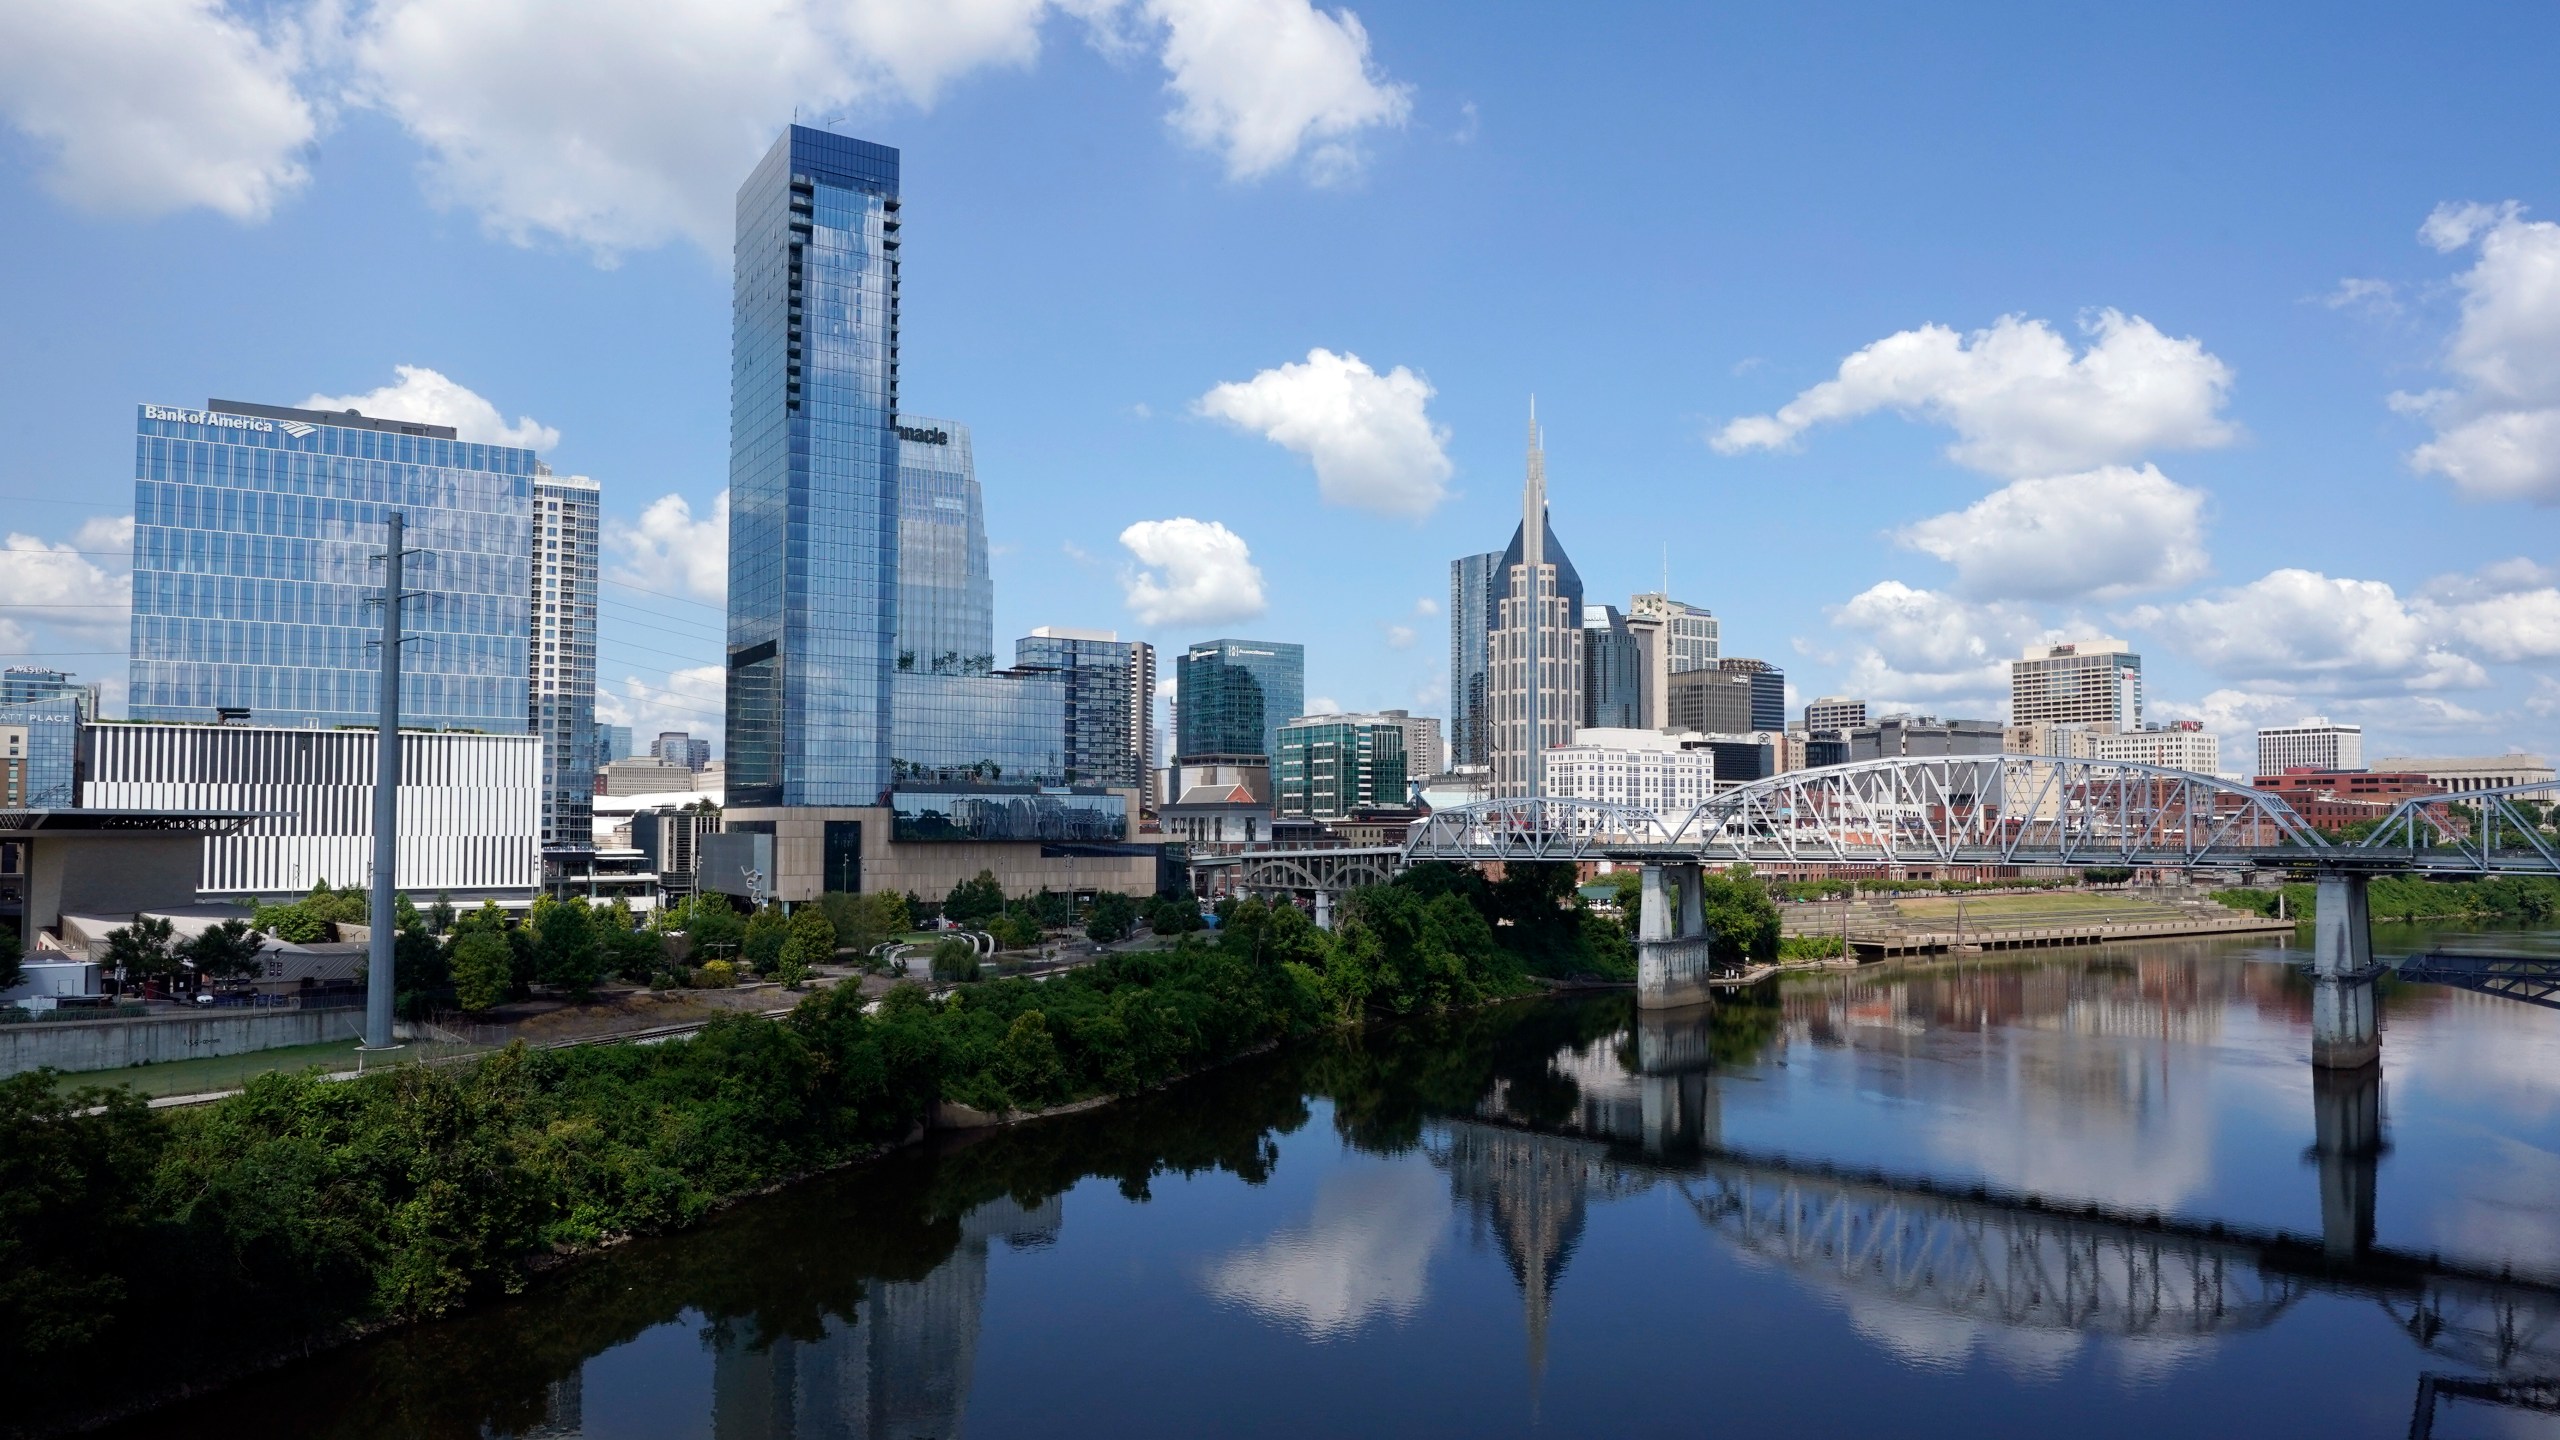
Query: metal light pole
point(379, 984)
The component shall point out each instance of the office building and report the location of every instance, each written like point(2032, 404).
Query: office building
point(1004, 727)
point(1331, 765)
point(1110, 687)
point(13, 768)
point(814, 514)
point(946, 597)
point(2081, 682)
point(1833, 712)
point(2179, 745)
point(1475, 600)
point(669, 839)
point(2314, 744)
point(1672, 637)
point(560, 656)
point(1627, 765)
point(1612, 671)
point(1424, 754)
point(613, 742)
point(1232, 697)
point(680, 748)
point(1534, 656)
point(1899, 736)
point(470, 804)
point(1742, 757)
point(26, 684)
point(2056, 742)
point(1225, 801)
point(256, 532)
point(48, 746)
point(2336, 799)
point(1715, 701)
point(2473, 772)
point(1768, 691)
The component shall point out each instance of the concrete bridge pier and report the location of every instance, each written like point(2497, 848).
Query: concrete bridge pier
point(2346, 1126)
point(2344, 1032)
point(1672, 946)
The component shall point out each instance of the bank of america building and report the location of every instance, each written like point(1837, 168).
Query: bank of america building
point(256, 535)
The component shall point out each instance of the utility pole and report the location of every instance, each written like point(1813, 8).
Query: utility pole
point(379, 982)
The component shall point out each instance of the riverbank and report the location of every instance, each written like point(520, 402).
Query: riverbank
point(336, 1209)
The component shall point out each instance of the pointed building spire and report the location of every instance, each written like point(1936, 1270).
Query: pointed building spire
point(1533, 564)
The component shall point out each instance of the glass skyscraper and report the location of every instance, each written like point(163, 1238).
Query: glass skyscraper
point(1612, 671)
point(560, 659)
point(1232, 696)
point(1475, 597)
point(1110, 692)
point(256, 529)
point(946, 601)
point(813, 475)
point(20, 684)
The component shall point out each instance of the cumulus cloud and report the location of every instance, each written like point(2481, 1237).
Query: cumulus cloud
point(62, 590)
point(2296, 630)
point(1923, 647)
point(1369, 435)
point(2101, 533)
point(426, 396)
point(1189, 572)
point(2374, 297)
point(2498, 430)
point(1265, 82)
point(1363, 1254)
point(2021, 403)
point(2508, 612)
point(692, 699)
point(149, 106)
point(1400, 637)
point(668, 549)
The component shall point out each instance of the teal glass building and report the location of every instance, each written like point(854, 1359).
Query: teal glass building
point(813, 475)
point(1232, 696)
point(255, 537)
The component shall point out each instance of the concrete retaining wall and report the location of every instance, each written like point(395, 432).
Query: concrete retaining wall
point(78, 1045)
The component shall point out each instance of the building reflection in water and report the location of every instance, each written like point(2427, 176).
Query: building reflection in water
point(898, 1370)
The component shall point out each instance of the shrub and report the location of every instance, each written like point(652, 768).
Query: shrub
point(954, 959)
point(716, 975)
point(765, 932)
point(483, 969)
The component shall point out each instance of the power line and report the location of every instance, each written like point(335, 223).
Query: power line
point(664, 594)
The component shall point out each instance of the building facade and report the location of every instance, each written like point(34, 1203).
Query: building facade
point(1534, 658)
point(1612, 671)
point(1712, 701)
point(1475, 600)
point(2315, 744)
point(1672, 638)
point(560, 656)
point(2179, 745)
point(2081, 682)
point(13, 767)
point(814, 513)
point(1110, 688)
point(2473, 772)
point(946, 597)
point(1897, 736)
point(256, 535)
point(25, 684)
point(470, 805)
point(1232, 696)
point(1424, 753)
point(1833, 712)
point(48, 747)
point(680, 747)
point(1331, 765)
point(1768, 690)
point(613, 742)
point(1627, 765)
point(1005, 727)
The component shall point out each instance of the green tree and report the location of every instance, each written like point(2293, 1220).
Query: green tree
point(565, 951)
point(810, 943)
point(1015, 932)
point(1742, 921)
point(1111, 917)
point(221, 952)
point(1027, 1064)
point(13, 961)
point(712, 928)
point(1172, 915)
point(294, 924)
point(766, 930)
point(440, 916)
point(634, 952)
point(144, 950)
point(75, 1198)
point(972, 903)
point(954, 959)
point(864, 922)
point(483, 969)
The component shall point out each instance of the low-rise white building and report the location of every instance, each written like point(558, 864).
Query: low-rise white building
point(1631, 767)
point(2471, 772)
point(470, 804)
point(2314, 744)
point(2182, 745)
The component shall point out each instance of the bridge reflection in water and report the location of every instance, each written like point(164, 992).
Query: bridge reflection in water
point(1921, 1247)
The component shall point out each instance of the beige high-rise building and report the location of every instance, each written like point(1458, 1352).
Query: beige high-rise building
point(1534, 662)
point(2078, 682)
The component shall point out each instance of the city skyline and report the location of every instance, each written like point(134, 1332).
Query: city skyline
point(2343, 348)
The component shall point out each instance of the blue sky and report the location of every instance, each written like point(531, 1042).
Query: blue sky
point(2234, 331)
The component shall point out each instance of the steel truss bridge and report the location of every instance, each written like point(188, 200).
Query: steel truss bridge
point(2003, 810)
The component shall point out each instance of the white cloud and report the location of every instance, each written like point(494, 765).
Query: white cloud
point(55, 589)
point(2508, 612)
point(2101, 533)
point(1369, 436)
point(2021, 403)
point(150, 106)
point(1324, 705)
point(2299, 630)
point(692, 699)
point(1400, 637)
point(670, 550)
point(2498, 432)
point(1189, 572)
point(1265, 82)
point(426, 396)
point(1363, 1254)
point(2376, 297)
point(1921, 646)
point(1426, 606)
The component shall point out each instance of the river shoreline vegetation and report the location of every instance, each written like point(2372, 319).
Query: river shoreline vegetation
point(330, 1209)
point(2410, 897)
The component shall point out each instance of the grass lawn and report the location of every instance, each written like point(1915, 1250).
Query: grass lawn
point(230, 1072)
point(2059, 906)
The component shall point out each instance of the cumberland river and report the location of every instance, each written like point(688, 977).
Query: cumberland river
point(2100, 1195)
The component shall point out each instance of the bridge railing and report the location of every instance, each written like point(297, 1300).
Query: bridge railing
point(2490, 831)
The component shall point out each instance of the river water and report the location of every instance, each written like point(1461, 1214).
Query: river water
point(2095, 1193)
